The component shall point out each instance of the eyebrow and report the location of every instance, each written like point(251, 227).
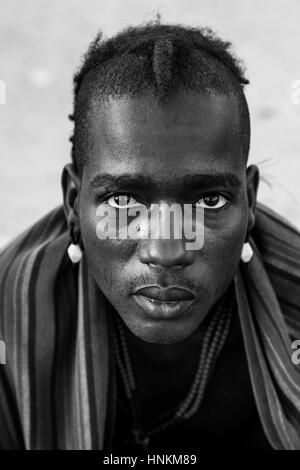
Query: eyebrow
point(140, 182)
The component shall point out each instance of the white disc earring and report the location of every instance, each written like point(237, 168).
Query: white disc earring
point(247, 253)
point(75, 253)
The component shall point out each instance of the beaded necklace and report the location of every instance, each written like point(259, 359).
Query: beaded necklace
point(213, 343)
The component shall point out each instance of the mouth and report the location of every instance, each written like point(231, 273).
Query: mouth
point(163, 303)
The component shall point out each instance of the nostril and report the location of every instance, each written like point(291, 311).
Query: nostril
point(156, 253)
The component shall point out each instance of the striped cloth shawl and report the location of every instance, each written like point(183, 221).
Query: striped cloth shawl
point(54, 385)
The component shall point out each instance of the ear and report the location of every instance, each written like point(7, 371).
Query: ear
point(252, 176)
point(70, 182)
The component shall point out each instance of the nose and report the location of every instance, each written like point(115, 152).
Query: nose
point(165, 253)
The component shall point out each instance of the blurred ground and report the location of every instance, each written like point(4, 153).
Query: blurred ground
point(42, 42)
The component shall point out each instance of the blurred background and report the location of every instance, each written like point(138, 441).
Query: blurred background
point(42, 42)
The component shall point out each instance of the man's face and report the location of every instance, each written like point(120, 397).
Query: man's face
point(184, 151)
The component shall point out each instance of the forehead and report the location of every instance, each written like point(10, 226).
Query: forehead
point(190, 132)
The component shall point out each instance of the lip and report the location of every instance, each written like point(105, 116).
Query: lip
point(165, 294)
point(163, 303)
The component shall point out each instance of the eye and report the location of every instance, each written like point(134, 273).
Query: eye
point(213, 201)
point(122, 201)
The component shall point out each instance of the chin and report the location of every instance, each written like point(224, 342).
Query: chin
point(162, 331)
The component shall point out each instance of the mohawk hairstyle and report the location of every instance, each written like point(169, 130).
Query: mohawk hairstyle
point(161, 59)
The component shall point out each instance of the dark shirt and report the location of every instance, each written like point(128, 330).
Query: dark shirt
point(227, 418)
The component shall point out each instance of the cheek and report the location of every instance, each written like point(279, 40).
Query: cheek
point(106, 258)
point(224, 250)
point(223, 241)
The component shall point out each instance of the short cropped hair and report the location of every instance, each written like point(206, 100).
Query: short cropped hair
point(161, 59)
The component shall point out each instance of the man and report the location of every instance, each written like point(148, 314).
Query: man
point(139, 342)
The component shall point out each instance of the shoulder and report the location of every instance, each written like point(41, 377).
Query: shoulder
point(29, 269)
point(279, 244)
point(21, 259)
point(23, 248)
point(277, 239)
